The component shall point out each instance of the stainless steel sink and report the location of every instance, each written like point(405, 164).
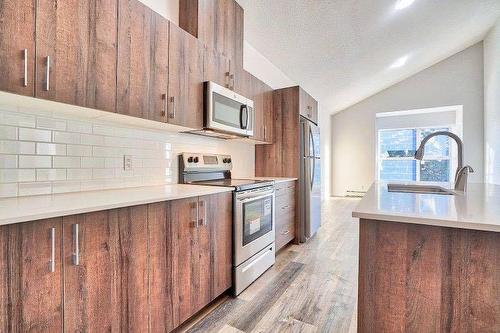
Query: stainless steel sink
point(413, 188)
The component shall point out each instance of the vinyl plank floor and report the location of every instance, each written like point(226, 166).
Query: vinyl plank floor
point(311, 288)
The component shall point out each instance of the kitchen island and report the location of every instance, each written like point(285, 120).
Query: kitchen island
point(429, 262)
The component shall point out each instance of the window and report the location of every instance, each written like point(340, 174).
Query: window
point(396, 150)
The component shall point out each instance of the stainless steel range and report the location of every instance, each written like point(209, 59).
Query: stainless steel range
point(253, 213)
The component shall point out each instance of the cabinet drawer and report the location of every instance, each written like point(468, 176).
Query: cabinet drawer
point(284, 188)
point(285, 204)
point(285, 231)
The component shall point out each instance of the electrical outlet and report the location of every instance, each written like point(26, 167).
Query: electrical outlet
point(127, 162)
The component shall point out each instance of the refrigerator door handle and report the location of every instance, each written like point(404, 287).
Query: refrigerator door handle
point(311, 142)
point(312, 171)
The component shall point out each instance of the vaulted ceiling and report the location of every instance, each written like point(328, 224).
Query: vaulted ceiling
point(342, 51)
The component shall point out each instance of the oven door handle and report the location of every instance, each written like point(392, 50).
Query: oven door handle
point(253, 198)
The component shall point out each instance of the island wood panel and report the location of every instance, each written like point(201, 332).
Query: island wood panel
point(80, 39)
point(161, 276)
point(17, 32)
point(417, 278)
point(108, 290)
point(185, 84)
point(30, 294)
point(220, 218)
point(134, 58)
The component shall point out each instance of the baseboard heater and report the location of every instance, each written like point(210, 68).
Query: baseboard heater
point(355, 194)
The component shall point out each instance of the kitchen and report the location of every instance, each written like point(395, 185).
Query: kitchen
point(158, 173)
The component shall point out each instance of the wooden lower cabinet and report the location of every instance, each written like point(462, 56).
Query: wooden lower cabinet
point(286, 208)
point(107, 290)
point(30, 291)
point(144, 268)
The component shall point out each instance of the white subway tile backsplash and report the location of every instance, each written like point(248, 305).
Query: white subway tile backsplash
point(79, 150)
point(31, 134)
point(50, 148)
point(29, 161)
point(64, 187)
point(93, 162)
point(8, 161)
point(17, 119)
point(103, 173)
point(79, 174)
point(34, 188)
point(91, 139)
point(17, 147)
point(50, 174)
point(8, 132)
point(79, 127)
point(17, 175)
point(66, 162)
point(51, 123)
point(42, 153)
point(66, 137)
point(8, 190)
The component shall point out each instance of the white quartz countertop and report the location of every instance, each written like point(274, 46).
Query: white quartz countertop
point(478, 209)
point(22, 209)
point(276, 179)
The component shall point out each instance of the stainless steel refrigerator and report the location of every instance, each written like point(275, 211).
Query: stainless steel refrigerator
point(310, 180)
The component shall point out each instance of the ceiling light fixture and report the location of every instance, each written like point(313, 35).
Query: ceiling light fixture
point(400, 62)
point(402, 4)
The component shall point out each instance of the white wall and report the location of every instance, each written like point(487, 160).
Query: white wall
point(492, 105)
point(457, 80)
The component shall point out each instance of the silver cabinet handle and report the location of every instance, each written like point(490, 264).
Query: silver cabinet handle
point(285, 207)
point(52, 261)
point(286, 232)
point(231, 79)
point(25, 83)
point(47, 75)
point(172, 114)
point(165, 101)
point(228, 79)
point(203, 219)
point(76, 255)
point(265, 127)
point(194, 214)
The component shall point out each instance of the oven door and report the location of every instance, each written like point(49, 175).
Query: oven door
point(227, 111)
point(254, 219)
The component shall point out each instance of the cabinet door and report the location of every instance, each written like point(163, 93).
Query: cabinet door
point(219, 211)
point(159, 69)
point(106, 289)
point(161, 275)
point(268, 114)
point(187, 291)
point(217, 68)
point(258, 104)
point(185, 84)
point(76, 52)
point(17, 51)
point(134, 58)
point(30, 283)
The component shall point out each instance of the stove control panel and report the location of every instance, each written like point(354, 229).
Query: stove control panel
point(195, 161)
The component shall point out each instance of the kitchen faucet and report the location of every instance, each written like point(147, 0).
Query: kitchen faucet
point(462, 173)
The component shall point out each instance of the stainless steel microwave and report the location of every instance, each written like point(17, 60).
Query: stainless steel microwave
point(227, 111)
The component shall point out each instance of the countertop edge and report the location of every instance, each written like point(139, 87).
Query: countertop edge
point(207, 190)
point(429, 221)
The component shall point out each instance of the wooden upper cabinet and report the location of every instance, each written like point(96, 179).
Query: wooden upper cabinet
point(106, 271)
point(76, 52)
point(308, 106)
point(217, 68)
point(185, 79)
point(268, 114)
point(261, 94)
point(135, 35)
point(17, 47)
point(31, 277)
point(216, 23)
point(159, 69)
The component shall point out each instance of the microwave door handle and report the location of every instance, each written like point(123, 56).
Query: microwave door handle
point(248, 118)
point(241, 117)
point(244, 125)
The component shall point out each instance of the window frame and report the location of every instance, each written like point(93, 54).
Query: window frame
point(418, 132)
